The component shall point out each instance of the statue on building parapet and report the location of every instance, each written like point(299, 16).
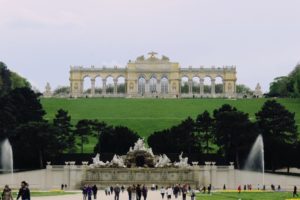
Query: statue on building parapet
point(165, 58)
point(47, 92)
point(140, 58)
point(257, 92)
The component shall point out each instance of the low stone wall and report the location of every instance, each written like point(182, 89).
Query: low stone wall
point(76, 175)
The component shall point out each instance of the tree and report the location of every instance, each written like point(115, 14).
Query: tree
point(34, 142)
point(61, 90)
point(233, 132)
point(243, 89)
point(62, 123)
point(279, 130)
point(177, 139)
point(83, 130)
point(17, 81)
point(286, 86)
point(203, 126)
point(5, 82)
point(115, 140)
point(19, 106)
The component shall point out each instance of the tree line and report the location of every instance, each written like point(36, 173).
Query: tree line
point(230, 133)
point(286, 86)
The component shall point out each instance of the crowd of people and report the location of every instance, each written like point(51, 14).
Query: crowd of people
point(136, 192)
point(140, 192)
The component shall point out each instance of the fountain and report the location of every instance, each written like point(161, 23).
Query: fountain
point(7, 163)
point(255, 160)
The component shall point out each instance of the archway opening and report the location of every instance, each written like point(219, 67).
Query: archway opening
point(140, 161)
point(184, 85)
point(152, 85)
point(86, 85)
point(219, 86)
point(121, 85)
point(98, 85)
point(110, 85)
point(141, 85)
point(164, 82)
point(196, 85)
point(207, 85)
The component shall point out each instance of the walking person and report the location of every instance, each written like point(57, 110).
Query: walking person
point(24, 191)
point(84, 192)
point(138, 192)
point(89, 192)
point(184, 192)
point(95, 191)
point(162, 192)
point(129, 191)
point(193, 194)
point(7, 194)
point(133, 192)
point(209, 189)
point(145, 192)
point(117, 190)
point(169, 192)
point(295, 194)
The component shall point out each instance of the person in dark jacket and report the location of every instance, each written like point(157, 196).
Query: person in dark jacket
point(117, 190)
point(295, 194)
point(95, 190)
point(24, 191)
point(145, 192)
point(138, 192)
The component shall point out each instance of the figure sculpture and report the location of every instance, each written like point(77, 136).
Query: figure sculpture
point(117, 161)
point(183, 162)
point(163, 161)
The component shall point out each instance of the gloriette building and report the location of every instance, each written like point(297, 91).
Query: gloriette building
point(154, 77)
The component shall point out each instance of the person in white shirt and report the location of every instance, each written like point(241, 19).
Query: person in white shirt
point(169, 192)
point(162, 192)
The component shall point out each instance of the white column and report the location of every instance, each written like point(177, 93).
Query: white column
point(158, 87)
point(104, 87)
point(115, 86)
point(213, 86)
point(201, 86)
point(190, 86)
point(147, 87)
point(92, 87)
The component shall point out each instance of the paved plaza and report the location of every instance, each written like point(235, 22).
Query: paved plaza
point(152, 195)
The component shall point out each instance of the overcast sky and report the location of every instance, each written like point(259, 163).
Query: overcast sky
point(40, 39)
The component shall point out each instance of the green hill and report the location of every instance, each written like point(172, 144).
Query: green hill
point(148, 115)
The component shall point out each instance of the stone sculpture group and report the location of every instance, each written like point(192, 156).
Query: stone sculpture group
point(139, 146)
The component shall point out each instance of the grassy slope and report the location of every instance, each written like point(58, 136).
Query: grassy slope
point(148, 115)
point(246, 196)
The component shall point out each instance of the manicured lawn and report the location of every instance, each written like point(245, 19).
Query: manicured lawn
point(246, 196)
point(148, 115)
point(48, 193)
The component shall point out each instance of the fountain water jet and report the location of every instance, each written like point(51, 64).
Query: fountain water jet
point(256, 160)
point(7, 163)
